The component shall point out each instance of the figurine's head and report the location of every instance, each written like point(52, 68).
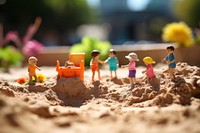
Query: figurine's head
point(95, 54)
point(32, 60)
point(170, 49)
point(132, 57)
point(112, 53)
point(148, 60)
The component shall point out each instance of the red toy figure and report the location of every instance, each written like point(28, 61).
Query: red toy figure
point(94, 63)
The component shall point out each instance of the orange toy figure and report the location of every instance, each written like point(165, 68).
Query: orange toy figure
point(32, 69)
point(94, 63)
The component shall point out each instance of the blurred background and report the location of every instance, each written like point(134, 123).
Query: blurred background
point(65, 22)
point(37, 27)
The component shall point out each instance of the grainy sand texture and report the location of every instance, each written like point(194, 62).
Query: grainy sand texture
point(107, 106)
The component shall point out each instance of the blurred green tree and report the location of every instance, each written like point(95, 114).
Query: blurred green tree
point(88, 44)
point(188, 11)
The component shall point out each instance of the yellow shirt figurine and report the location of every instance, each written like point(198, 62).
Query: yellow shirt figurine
point(32, 69)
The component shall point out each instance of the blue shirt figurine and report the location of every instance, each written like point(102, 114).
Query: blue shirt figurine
point(112, 62)
point(170, 60)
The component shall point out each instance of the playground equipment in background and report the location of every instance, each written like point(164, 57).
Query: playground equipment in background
point(78, 59)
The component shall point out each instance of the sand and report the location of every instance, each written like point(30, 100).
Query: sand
point(110, 105)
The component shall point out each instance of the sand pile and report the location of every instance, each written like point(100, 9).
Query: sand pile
point(73, 92)
point(73, 106)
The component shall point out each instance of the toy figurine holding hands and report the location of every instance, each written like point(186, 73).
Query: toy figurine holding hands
point(170, 60)
point(32, 69)
point(94, 63)
point(132, 57)
point(113, 62)
point(150, 75)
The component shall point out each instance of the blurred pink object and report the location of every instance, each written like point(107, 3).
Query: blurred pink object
point(26, 45)
point(13, 36)
point(32, 48)
point(32, 30)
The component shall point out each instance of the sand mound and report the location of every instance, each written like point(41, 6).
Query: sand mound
point(70, 86)
point(73, 92)
point(103, 103)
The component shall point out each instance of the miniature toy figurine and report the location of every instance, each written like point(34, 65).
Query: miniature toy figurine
point(132, 57)
point(94, 63)
point(170, 60)
point(113, 62)
point(150, 75)
point(32, 69)
point(69, 64)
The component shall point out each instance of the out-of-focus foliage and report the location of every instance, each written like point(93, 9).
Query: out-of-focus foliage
point(62, 15)
point(188, 11)
point(178, 33)
point(10, 56)
point(197, 35)
point(88, 44)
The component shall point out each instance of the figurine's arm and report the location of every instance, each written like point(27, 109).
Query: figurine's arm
point(164, 60)
point(106, 61)
point(144, 71)
point(38, 68)
point(171, 61)
point(90, 64)
point(102, 62)
point(125, 66)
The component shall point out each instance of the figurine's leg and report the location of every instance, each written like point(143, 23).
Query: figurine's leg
point(35, 78)
point(171, 73)
point(134, 80)
point(111, 76)
point(144, 79)
point(131, 80)
point(30, 79)
point(115, 74)
point(99, 76)
point(148, 80)
point(93, 74)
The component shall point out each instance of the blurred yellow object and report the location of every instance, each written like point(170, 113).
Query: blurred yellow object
point(41, 78)
point(148, 60)
point(178, 33)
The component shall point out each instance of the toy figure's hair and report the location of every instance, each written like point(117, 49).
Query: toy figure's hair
point(113, 51)
point(32, 58)
point(95, 53)
point(171, 47)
